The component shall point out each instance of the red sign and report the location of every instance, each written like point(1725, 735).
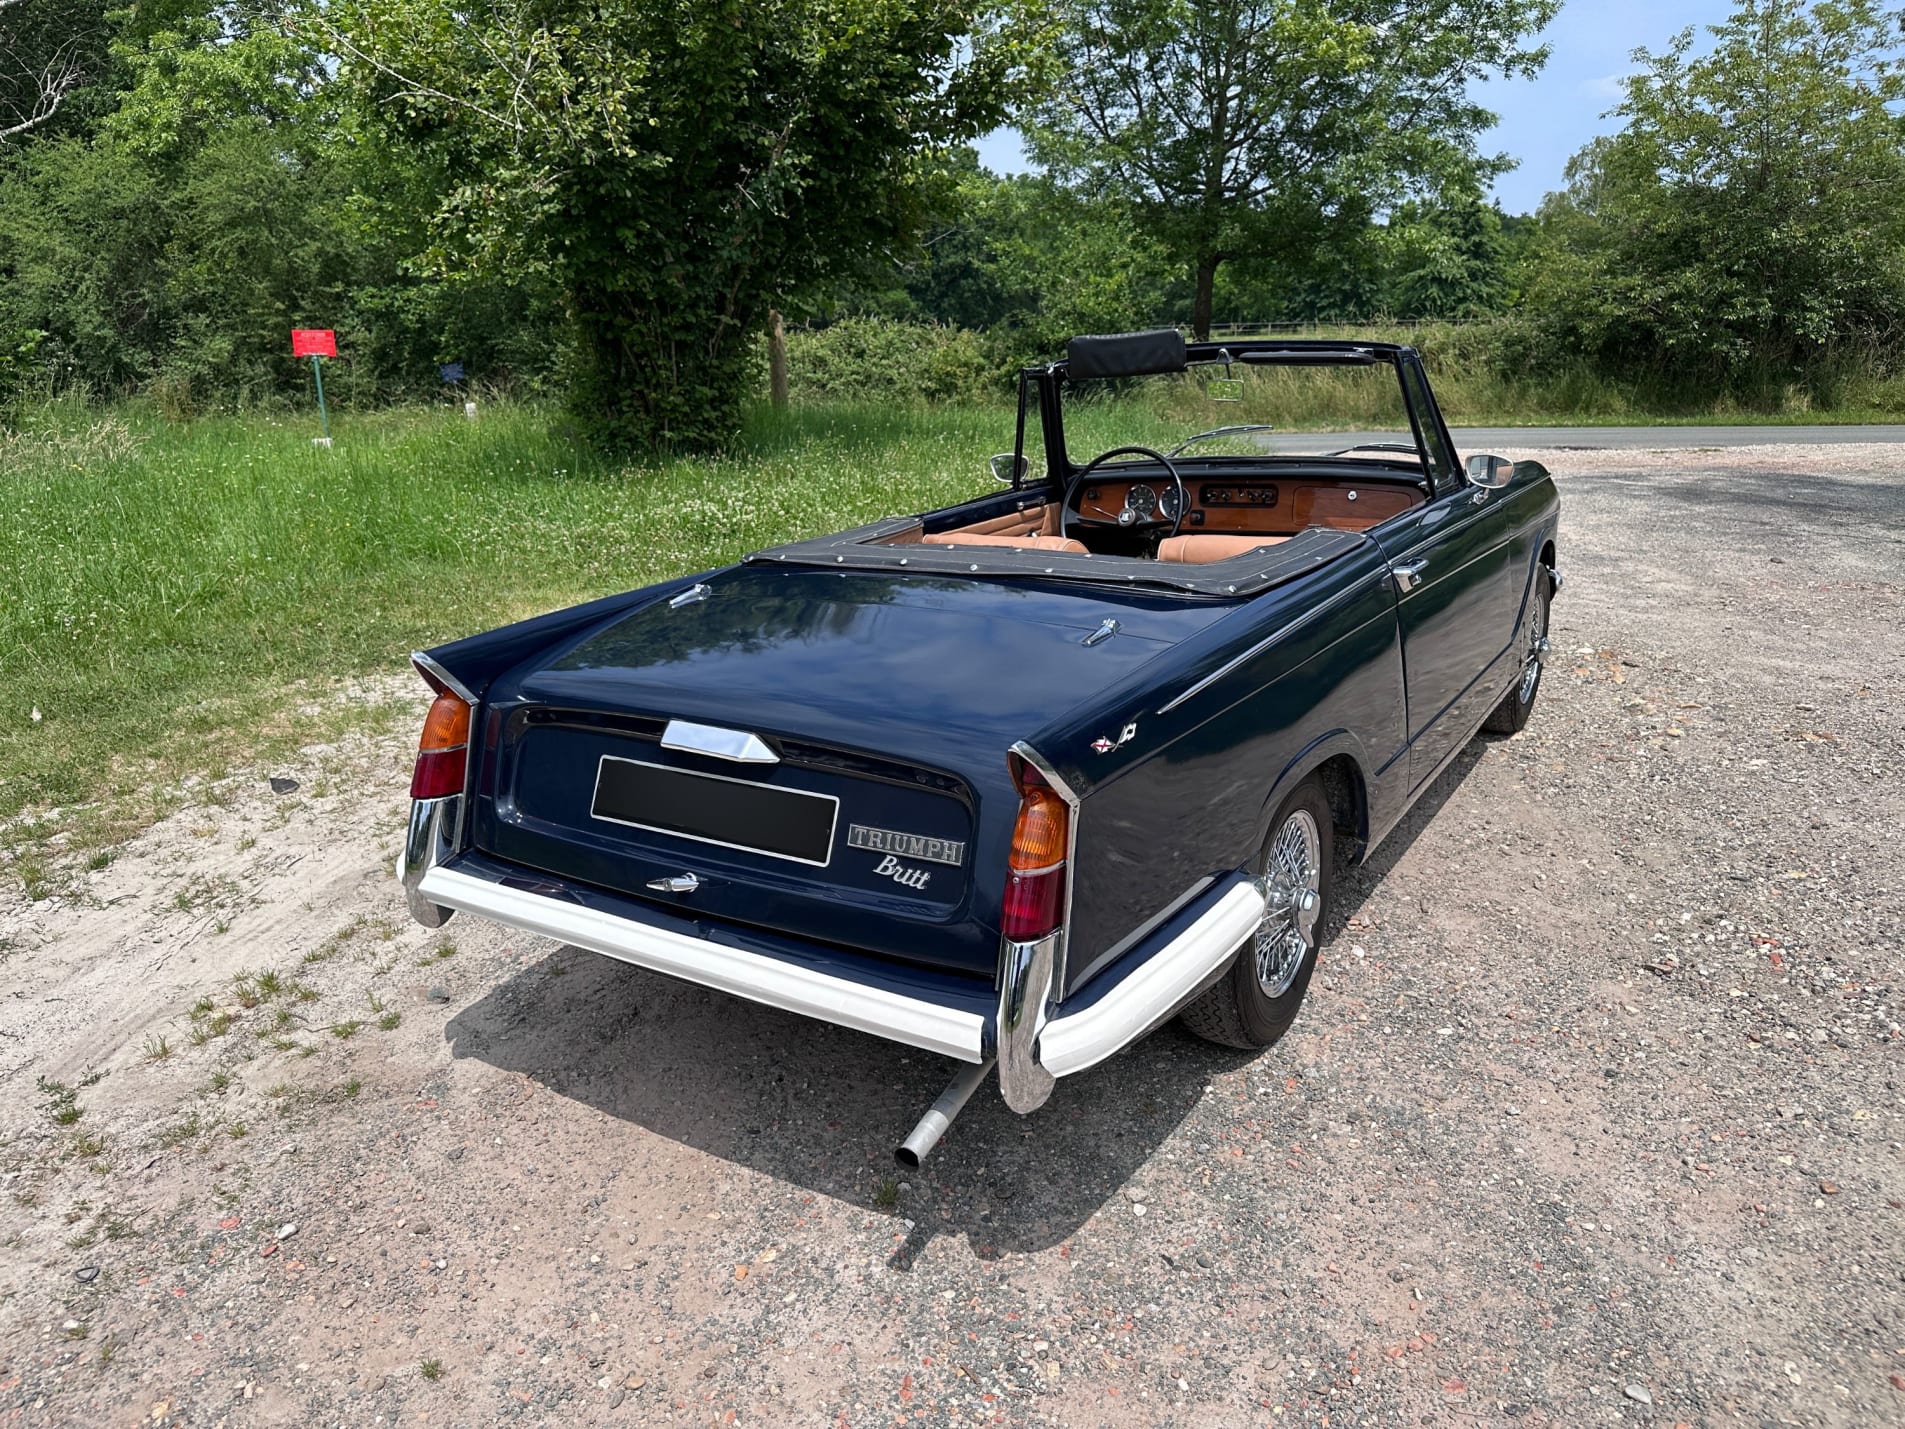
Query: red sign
point(313, 342)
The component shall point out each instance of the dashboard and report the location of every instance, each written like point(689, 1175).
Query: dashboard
point(1248, 506)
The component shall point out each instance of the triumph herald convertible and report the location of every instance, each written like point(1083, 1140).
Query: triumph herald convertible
point(1019, 780)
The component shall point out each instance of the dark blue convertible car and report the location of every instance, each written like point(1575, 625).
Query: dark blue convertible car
point(1020, 779)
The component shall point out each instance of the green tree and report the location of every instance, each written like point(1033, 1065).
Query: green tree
point(676, 166)
point(1446, 259)
point(1259, 128)
point(1751, 212)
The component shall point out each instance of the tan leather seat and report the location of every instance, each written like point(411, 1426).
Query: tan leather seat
point(1023, 543)
point(1197, 550)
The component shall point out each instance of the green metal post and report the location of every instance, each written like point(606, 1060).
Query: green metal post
point(317, 371)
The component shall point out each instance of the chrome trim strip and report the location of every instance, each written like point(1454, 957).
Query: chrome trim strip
point(832, 831)
point(951, 1032)
point(1024, 998)
point(736, 745)
point(429, 840)
point(696, 592)
point(431, 670)
point(1341, 597)
point(1151, 992)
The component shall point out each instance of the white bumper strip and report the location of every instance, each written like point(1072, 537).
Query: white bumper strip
point(1153, 990)
point(951, 1032)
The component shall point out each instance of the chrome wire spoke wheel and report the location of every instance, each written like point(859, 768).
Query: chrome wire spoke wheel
point(1292, 898)
point(1537, 651)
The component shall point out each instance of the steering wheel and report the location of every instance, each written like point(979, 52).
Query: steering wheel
point(1067, 514)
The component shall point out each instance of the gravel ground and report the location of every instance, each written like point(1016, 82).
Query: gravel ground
point(1592, 1116)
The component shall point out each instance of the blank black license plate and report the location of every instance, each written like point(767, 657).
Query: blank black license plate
point(714, 809)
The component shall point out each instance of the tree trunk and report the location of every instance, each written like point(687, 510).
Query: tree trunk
point(1206, 270)
point(776, 358)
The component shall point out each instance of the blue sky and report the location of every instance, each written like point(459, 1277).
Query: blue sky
point(1546, 120)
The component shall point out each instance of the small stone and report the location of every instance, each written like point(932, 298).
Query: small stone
point(438, 994)
point(634, 1381)
point(287, 1230)
point(420, 1228)
point(86, 1274)
point(1134, 1193)
point(281, 785)
point(1638, 1393)
point(1137, 1210)
point(1828, 1188)
point(616, 1397)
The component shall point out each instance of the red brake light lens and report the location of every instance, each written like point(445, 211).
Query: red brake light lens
point(1035, 868)
point(443, 750)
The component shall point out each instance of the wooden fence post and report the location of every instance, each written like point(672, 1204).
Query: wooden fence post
point(776, 358)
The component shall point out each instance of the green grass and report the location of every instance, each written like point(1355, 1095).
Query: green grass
point(178, 599)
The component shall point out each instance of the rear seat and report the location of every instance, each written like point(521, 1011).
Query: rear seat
point(1023, 543)
point(1200, 550)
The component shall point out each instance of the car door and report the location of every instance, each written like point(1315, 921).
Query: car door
point(1449, 562)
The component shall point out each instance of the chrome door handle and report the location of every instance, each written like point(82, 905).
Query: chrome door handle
point(1477, 496)
point(680, 883)
point(1408, 575)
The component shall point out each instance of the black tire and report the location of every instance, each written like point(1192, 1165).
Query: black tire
point(1236, 1010)
point(1511, 715)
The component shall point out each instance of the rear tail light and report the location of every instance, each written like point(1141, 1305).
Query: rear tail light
point(444, 750)
point(1035, 869)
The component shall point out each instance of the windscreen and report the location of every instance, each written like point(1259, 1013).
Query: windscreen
point(1351, 410)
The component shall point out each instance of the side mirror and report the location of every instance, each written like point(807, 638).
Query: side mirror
point(1008, 469)
point(1491, 473)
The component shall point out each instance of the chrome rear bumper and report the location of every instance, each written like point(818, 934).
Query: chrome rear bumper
point(1036, 1041)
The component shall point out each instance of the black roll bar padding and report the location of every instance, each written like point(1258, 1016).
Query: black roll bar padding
point(1125, 354)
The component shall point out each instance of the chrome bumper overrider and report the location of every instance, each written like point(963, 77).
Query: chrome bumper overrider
point(429, 840)
point(1036, 1046)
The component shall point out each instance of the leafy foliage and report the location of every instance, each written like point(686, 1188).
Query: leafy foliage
point(676, 166)
point(217, 202)
point(1750, 217)
point(1270, 128)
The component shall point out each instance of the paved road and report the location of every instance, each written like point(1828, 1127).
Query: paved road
point(1484, 439)
point(1473, 439)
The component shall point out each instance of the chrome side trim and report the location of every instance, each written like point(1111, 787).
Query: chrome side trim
point(736, 745)
point(1024, 996)
point(951, 1032)
point(429, 840)
point(432, 671)
point(1153, 991)
point(1341, 597)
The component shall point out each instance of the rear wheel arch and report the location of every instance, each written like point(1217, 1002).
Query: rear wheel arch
point(1336, 761)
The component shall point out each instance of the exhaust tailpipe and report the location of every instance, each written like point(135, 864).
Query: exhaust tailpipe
point(915, 1149)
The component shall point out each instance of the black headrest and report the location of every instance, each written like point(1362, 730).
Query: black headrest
point(1125, 354)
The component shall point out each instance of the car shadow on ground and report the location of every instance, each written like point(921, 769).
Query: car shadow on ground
point(821, 1107)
